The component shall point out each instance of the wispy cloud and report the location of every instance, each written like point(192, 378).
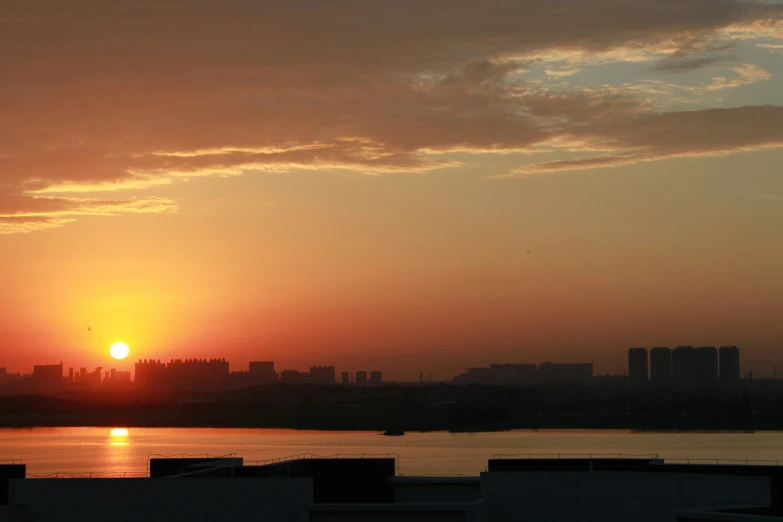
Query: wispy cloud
point(668, 135)
point(747, 74)
point(43, 213)
point(551, 73)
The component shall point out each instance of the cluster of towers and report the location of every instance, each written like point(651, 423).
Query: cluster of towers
point(685, 366)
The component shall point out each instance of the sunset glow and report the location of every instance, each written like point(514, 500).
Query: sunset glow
point(380, 186)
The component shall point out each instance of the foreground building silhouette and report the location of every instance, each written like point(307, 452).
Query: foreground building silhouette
point(370, 489)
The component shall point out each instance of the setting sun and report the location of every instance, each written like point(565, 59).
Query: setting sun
point(119, 350)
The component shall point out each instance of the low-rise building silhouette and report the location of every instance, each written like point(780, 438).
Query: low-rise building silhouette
point(523, 374)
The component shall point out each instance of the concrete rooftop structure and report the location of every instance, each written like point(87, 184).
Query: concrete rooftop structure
point(369, 489)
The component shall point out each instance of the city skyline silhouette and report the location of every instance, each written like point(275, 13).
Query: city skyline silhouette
point(369, 186)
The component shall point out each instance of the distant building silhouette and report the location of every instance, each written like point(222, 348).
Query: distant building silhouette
point(706, 366)
point(294, 377)
point(376, 377)
point(150, 373)
point(522, 374)
point(729, 365)
point(660, 366)
point(322, 375)
point(638, 366)
point(501, 373)
point(48, 375)
point(361, 377)
point(345, 378)
point(684, 366)
point(262, 372)
point(565, 372)
point(185, 374)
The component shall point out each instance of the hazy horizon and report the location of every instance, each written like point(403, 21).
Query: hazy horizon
point(404, 186)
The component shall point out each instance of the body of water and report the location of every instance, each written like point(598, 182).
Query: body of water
point(48, 451)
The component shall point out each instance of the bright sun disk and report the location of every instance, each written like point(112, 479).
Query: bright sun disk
point(119, 350)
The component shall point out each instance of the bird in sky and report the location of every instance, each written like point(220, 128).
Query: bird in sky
point(89, 329)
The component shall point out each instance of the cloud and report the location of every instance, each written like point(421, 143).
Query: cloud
point(770, 48)
point(33, 214)
point(682, 65)
point(18, 225)
point(676, 134)
point(747, 74)
point(107, 97)
point(551, 73)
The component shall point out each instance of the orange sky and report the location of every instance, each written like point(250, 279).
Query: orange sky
point(360, 184)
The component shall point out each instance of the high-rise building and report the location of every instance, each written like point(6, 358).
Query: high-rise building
point(660, 366)
point(638, 365)
point(376, 377)
point(361, 377)
point(684, 366)
point(345, 378)
point(70, 375)
point(729, 365)
point(705, 366)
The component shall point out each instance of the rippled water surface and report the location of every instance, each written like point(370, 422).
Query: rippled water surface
point(75, 450)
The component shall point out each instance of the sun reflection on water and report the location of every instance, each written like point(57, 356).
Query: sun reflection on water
point(118, 437)
point(117, 456)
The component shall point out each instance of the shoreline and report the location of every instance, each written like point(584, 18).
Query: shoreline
point(466, 409)
point(418, 426)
